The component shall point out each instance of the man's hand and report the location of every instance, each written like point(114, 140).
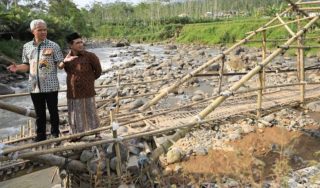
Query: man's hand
point(69, 57)
point(12, 68)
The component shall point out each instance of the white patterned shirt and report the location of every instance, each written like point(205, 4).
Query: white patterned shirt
point(42, 60)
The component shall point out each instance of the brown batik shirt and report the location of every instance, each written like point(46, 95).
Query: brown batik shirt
point(81, 74)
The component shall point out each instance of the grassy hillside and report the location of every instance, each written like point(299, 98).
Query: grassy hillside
point(217, 32)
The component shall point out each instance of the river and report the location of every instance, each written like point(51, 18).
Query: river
point(10, 122)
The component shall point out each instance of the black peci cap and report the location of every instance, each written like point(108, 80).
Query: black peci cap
point(72, 37)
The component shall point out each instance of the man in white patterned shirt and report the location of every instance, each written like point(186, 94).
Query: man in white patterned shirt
point(40, 57)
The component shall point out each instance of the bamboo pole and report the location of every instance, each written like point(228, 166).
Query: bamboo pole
point(301, 66)
point(221, 74)
point(187, 77)
point(286, 26)
point(117, 147)
point(279, 25)
point(228, 93)
point(296, 8)
point(22, 111)
point(96, 87)
point(298, 51)
point(32, 145)
point(279, 40)
point(308, 3)
point(316, 67)
point(117, 97)
point(309, 8)
point(250, 74)
point(82, 146)
point(261, 76)
point(303, 47)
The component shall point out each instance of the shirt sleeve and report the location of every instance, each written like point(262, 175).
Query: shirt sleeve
point(25, 59)
point(57, 54)
point(96, 66)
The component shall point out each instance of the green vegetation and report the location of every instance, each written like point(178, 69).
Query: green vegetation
point(203, 21)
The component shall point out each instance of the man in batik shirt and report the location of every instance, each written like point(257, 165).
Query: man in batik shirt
point(82, 68)
point(40, 57)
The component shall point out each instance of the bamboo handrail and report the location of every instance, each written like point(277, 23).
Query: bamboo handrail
point(308, 3)
point(296, 8)
point(250, 74)
point(309, 8)
point(198, 118)
point(304, 47)
point(282, 24)
point(96, 87)
point(45, 142)
point(202, 67)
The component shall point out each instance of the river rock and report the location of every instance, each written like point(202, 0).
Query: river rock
point(86, 155)
point(4, 89)
point(136, 104)
point(314, 106)
point(174, 155)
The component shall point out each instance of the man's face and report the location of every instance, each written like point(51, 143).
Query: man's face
point(40, 32)
point(77, 45)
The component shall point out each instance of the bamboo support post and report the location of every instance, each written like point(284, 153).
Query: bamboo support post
point(220, 74)
point(22, 129)
point(108, 173)
point(117, 147)
point(30, 127)
point(300, 52)
point(117, 97)
point(261, 78)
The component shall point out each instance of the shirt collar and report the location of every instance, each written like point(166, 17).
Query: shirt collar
point(43, 42)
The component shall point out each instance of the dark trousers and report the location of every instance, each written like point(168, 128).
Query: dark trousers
point(40, 100)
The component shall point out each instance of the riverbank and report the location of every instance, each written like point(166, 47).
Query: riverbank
point(138, 63)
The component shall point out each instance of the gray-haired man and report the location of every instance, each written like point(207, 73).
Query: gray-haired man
point(40, 57)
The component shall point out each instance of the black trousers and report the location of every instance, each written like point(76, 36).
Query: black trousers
point(40, 100)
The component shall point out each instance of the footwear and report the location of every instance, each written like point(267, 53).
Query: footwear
point(55, 135)
point(39, 138)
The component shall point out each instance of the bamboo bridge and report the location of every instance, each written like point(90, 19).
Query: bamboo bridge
point(158, 126)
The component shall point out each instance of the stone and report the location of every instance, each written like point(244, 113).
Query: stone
point(173, 156)
point(4, 90)
point(86, 155)
point(132, 165)
point(314, 106)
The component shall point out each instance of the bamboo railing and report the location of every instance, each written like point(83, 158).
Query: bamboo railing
point(180, 131)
